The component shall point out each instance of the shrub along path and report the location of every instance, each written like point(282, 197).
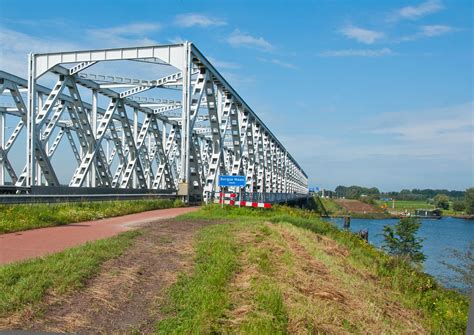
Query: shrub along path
point(39, 242)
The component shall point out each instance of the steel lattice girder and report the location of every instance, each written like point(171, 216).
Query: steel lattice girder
point(180, 144)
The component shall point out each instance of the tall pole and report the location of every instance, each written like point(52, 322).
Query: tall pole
point(185, 134)
point(94, 133)
point(38, 167)
point(30, 123)
point(2, 144)
point(149, 174)
point(135, 138)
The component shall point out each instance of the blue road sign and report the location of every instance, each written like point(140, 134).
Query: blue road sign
point(238, 181)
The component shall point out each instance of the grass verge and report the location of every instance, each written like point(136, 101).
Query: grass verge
point(23, 285)
point(332, 208)
point(258, 305)
point(444, 311)
point(23, 217)
point(197, 302)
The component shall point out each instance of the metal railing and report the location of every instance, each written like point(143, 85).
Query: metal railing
point(273, 198)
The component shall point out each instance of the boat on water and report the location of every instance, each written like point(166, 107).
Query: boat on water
point(428, 213)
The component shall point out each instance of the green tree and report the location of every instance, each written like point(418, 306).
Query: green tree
point(469, 200)
point(441, 201)
point(459, 206)
point(400, 240)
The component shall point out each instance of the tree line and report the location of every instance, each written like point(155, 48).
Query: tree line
point(461, 200)
point(355, 192)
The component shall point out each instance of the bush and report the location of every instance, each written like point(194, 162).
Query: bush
point(401, 241)
point(368, 200)
point(459, 206)
point(441, 201)
point(469, 200)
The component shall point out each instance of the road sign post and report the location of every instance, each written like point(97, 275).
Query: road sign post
point(229, 181)
point(232, 181)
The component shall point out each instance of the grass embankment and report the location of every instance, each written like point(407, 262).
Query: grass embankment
point(25, 284)
point(23, 217)
point(332, 208)
point(285, 270)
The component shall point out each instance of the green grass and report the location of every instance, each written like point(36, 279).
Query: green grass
point(445, 311)
point(269, 314)
point(25, 284)
point(23, 217)
point(332, 207)
point(409, 205)
point(451, 212)
point(197, 302)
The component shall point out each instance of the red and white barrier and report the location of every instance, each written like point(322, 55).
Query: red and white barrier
point(231, 196)
point(254, 204)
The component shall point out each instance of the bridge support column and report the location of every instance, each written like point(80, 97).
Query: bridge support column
point(31, 124)
point(135, 138)
point(93, 176)
point(2, 145)
point(183, 187)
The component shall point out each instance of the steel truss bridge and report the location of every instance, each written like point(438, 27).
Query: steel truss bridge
point(125, 135)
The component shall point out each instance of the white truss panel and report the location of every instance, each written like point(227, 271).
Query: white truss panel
point(172, 55)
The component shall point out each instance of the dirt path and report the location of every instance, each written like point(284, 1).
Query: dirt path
point(356, 206)
point(123, 297)
point(39, 242)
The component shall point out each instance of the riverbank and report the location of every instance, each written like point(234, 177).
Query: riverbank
point(357, 209)
point(352, 208)
point(440, 238)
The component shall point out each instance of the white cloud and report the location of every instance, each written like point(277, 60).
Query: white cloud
point(435, 30)
point(177, 40)
point(429, 31)
point(283, 64)
point(278, 62)
point(238, 80)
point(200, 20)
point(16, 46)
point(444, 126)
point(219, 64)
point(125, 35)
point(357, 53)
point(362, 35)
point(241, 39)
point(128, 29)
point(412, 146)
point(416, 12)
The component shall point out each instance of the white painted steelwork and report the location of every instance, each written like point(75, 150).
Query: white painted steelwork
point(179, 145)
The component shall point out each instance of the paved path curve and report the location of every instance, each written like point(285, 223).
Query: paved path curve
point(39, 242)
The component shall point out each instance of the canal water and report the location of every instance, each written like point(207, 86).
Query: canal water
point(439, 236)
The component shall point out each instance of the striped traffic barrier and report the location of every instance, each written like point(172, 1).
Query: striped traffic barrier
point(244, 203)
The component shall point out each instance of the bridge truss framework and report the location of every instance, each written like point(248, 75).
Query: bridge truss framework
point(136, 142)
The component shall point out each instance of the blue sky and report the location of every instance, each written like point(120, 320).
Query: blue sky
point(373, 93)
